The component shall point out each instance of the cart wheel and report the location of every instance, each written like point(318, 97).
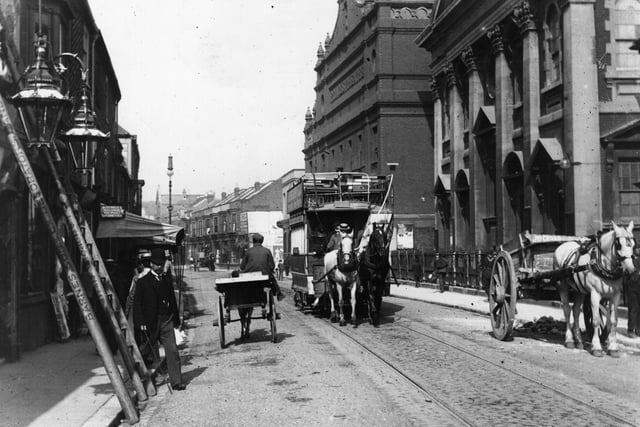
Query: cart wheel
point(502, 296)
point(272, 317)
point(221, 322)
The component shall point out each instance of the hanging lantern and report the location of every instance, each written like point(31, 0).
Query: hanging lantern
point(84, 138)
point(40, 103)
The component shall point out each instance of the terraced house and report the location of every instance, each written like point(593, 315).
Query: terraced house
point(222, 228)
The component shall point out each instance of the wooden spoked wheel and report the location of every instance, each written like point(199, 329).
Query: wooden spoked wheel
point(502, 296)
point(221, 322)
point(272, 317)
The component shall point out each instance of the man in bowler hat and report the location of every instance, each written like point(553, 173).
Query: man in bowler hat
point(155, 314)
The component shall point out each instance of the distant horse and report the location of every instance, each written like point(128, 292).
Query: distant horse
point(374, 267)
point(341, 269)
point(599, 275)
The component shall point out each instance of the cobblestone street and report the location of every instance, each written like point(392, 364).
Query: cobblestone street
point(425, 365)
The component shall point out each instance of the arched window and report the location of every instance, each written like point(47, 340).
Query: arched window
point(626, 18)
point(552, 46)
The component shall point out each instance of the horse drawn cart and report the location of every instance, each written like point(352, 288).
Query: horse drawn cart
point(316, 203)
point(244, 293)
point(523, 268)
point(540, 266)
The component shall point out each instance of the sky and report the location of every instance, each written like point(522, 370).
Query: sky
point(222, 86)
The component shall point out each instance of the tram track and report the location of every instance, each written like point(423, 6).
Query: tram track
point(370, 344)
point(431, 397)
point(523, 376)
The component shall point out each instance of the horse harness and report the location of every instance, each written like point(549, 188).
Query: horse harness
point(347, 261)
point(592, 247)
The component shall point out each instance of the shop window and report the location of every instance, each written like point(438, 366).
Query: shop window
point(626, 18)
point(628, 187)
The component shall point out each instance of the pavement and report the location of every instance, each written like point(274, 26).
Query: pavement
point(65, 384)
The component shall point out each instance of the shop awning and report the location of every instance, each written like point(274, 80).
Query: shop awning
point(145, 231)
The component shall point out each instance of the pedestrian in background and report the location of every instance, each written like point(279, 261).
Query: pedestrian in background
point(155, 314)
point(440, 266)
point(417, 271)
point(287, 267)
point(280, 269)
point(632, 293)
point(143, 267)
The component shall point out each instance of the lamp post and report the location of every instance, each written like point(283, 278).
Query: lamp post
point(170, 174)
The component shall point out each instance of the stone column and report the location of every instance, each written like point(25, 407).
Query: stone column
point(456, 139)
point(530, 104)
point(504, 125)
point(437, 154)
point(437, 130)
point(581, 116)
point(477, 234)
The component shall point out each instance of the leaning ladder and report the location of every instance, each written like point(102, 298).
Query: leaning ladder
point(101, 268)
point(101, 282)
point(71, 273)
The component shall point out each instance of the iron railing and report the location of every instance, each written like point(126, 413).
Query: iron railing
point(461, 269)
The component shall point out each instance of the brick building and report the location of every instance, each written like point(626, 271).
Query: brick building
point(27, 256)
point(535, 118)
point(372, 111)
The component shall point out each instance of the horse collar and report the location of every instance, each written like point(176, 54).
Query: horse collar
point(347, 261)
point(600, 270)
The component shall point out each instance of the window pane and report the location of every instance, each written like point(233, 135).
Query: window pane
point(630, 205)
point(629, 174)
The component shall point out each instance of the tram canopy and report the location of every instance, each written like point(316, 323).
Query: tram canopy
point(145, 231)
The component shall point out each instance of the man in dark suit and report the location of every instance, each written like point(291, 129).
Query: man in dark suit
point(155, 314)
point(259, 259)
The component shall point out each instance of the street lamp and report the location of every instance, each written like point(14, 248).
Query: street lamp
point(40, 103)
point(170, 174)
point(84, 138)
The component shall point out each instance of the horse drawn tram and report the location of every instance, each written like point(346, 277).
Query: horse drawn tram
point(316, 204)
point(590, 268)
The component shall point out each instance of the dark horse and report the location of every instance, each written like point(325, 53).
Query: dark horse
point(374, 267)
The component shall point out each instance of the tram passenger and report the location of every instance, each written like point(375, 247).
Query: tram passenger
point(334, 239)
point(334, 242)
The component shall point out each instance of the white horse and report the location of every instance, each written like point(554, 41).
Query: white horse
point(341, 269)
point(599, 275)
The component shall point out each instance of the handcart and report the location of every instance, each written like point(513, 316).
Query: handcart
point(244, 293)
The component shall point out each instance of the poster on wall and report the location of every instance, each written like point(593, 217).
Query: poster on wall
point(405, 236)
